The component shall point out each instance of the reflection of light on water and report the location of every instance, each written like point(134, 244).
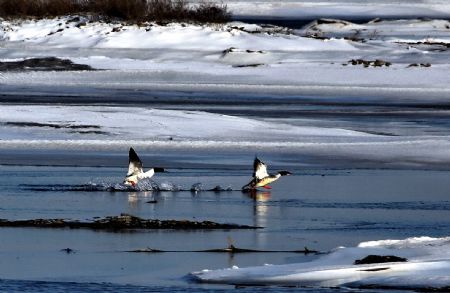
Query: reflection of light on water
point(262, 196)
point(260, 210)
point(261, 215)
point(133, 197)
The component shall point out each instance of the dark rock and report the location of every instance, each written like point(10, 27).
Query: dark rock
point(375, 20)
point(367, 63)
point(80, 25)
point(419, 65)
point(43, 64)
point(248, 65)
point(74, 19)
point(162, 23)
point(227, 51)
point(371, 259)
point(252, 51)
point(122, 222)
point(332, 21)
point(378, 63)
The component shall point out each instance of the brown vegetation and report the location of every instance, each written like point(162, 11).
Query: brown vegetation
point(129, 10)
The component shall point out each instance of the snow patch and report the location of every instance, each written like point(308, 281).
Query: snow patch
point(428, 266)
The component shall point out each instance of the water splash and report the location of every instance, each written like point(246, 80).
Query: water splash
point(141, 186)
point(169, 186)
point(219, 188)
point(197, 187)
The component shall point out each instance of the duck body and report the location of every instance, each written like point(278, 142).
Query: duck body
point(136, 170)
point(260, 176)
point(267, 180)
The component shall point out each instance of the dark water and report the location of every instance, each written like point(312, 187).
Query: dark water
point(315, 209)
point(39, 286)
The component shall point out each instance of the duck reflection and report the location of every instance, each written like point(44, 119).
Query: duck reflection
point(259, 196)
point(133, 198)
point(260, 210)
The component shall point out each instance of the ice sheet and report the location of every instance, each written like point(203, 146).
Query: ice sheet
point(428, 266)
point(30, 123)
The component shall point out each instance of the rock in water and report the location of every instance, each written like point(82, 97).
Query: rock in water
point(371, 259)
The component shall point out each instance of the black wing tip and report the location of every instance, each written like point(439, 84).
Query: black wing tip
point(159, 170)
point(257, 160)
point(133, 155)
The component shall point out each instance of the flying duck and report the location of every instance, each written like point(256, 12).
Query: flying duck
point(260, 176)
point(136, 170)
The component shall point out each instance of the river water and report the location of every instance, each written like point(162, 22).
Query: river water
point(319, 209)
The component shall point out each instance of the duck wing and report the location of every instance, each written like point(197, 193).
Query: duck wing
point(134, 163)
point(259, 169)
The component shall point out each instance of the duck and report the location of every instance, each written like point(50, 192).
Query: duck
point(260, 176)
point(136, 170)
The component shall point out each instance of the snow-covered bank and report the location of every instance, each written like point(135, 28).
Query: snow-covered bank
point(343, 8)
point(235, 57)
point(65, 32)
point(428, 266)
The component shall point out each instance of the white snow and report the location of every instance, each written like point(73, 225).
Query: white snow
point(428, 266)
point(62, 32)
point(186, 57)
point(341, 8)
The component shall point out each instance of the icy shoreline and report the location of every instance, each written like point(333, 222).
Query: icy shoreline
point(427, 267)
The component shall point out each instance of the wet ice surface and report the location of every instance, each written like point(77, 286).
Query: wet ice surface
point(317, 209)
point(324, 133)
